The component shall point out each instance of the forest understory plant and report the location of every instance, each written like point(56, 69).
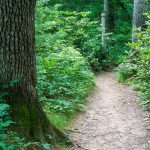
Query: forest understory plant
point(136, 68)
point(66, 53)
point(9, 139)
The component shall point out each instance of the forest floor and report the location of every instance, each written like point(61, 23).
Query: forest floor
point(113, 120)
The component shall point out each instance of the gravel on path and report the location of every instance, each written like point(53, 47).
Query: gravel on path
point(113, 120)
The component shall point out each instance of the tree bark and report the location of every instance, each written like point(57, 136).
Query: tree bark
point(140, 7)
point(104, 23)
point(103, 42)
point(106, 12)
point(18, 63)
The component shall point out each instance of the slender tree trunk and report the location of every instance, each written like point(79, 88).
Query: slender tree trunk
point(106, 12)
point(17, 62)
point(140, 7)
point(104, 23)
point(103, 30)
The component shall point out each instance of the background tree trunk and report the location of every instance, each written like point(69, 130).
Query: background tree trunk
point(140, 7)
point(104, 22)
point(106, 12)
point(103, 30)
point(17, 62)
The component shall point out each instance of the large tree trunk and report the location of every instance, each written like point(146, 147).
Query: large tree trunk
point(140, 7)
point(17, 62)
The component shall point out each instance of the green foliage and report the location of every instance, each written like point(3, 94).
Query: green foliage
point(117, 48)
point(57, 29)
point(94, 6)
point(8, 140)
point(126, 71)
point(64, 80)
point(65, 41)
point(121, 14)
point(136, 68)
point(76, 23)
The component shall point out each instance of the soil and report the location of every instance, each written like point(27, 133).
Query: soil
point(113, 120)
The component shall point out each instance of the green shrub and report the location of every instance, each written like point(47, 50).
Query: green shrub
point(56, 29)
point(9, 140)
point(64, 80)
point(126, 71)
point(138, 70)
point(68, 46)
point(116, 47)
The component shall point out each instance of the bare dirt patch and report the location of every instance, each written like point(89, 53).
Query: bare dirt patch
point(113, 120)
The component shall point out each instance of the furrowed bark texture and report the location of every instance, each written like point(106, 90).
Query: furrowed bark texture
point(17, 62)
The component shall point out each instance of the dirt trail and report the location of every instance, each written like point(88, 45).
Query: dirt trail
point(113, 120)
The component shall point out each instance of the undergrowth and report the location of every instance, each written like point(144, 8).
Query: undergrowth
point(57, 29)
point(9, 140)
point(136, 68)
point(68, 48)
